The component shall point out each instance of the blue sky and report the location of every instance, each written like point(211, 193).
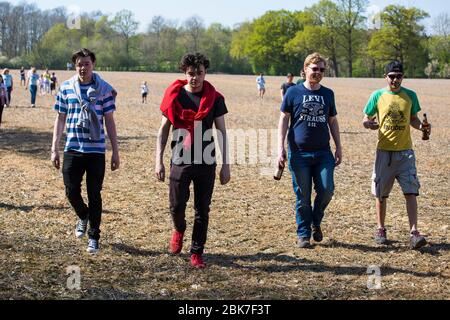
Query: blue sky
point(227, 12)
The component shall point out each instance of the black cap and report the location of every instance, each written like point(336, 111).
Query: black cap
point(394, 66)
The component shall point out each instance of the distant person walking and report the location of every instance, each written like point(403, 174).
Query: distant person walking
point(47, 81)
point(53, 83)
point(84, 103)
point(32, 85)
point(3, 98)
point(22, 76)
point(285, 86)
point(8, 80)
point(261, 85)
point(144, 91)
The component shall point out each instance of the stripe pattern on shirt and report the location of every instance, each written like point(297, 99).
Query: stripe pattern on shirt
point(77, 138)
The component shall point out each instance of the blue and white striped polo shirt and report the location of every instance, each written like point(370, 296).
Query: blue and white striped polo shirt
point(77, 138)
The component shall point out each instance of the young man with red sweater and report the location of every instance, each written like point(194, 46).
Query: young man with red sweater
point(191, 107)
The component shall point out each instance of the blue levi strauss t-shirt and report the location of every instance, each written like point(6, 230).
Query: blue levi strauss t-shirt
point(77, 138)
point(310, 111)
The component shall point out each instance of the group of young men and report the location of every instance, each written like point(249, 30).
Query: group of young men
point(191, 107)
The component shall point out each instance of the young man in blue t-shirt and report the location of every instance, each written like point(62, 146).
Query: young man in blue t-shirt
point(311, 111)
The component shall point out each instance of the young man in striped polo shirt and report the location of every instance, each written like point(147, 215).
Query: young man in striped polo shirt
point(82, 103)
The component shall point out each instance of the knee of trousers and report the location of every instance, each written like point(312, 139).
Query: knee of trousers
point(72, 193)
point(95, 195)
point(326, 193)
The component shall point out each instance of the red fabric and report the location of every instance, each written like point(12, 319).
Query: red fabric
point(186, 118)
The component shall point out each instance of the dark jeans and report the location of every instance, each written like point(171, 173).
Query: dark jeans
point(33, 91)
point(9, 89)
point(306, 168)
point(1, 111)
point(74, 166)
point(203, 177)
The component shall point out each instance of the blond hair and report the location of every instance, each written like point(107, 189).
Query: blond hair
point(314, 58)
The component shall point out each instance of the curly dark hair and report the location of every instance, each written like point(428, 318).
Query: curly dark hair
point(194, 60)
point(83, 53)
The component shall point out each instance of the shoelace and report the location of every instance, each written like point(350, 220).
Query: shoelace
point(82, 225)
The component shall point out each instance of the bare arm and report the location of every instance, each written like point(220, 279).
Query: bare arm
point(112, 134)
point(58, 130)
point(282, 130)
point(163, 135)
point(225, 175)
point(370, 123)
point(415, 122)
point(334, 129)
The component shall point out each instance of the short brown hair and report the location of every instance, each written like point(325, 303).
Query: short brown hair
point(82, 54)
point(314, 58)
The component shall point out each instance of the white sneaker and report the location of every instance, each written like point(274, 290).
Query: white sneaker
point(81, 228)
point(93, 246)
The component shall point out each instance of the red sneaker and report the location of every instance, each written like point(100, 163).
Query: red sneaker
point(197, 261)
point(176, 243)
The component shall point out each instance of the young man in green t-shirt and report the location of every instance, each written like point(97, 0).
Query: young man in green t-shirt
point(392, 111)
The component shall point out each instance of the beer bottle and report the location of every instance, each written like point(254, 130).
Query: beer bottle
point(425, 128)
point(278, 173)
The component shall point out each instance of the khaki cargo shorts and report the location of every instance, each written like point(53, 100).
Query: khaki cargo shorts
point(391, 165)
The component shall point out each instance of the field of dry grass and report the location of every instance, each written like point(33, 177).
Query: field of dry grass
point(251, 250)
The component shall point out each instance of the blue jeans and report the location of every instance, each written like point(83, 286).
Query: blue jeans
point(33, 91)
point(306, 168)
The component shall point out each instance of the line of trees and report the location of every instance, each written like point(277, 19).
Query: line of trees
point(357, 45)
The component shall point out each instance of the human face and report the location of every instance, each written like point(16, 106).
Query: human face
point(195, 78)
point(85, 69)
point(314, 72)
point(394, 80)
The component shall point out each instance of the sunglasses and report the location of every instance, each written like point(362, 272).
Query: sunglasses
point(395, 76)
point(315, 69)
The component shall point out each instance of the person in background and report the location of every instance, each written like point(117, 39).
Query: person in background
point(32, 85)
point(3, 98)
point(285, 86)
point(53, 83)
point(144, 91)
point(22, 76)
point(261, 85)
point(8, 80)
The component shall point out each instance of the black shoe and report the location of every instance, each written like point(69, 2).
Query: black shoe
point(317, 234)
point(304, 243)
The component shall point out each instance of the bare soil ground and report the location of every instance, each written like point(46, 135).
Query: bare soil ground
point(251, 250)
